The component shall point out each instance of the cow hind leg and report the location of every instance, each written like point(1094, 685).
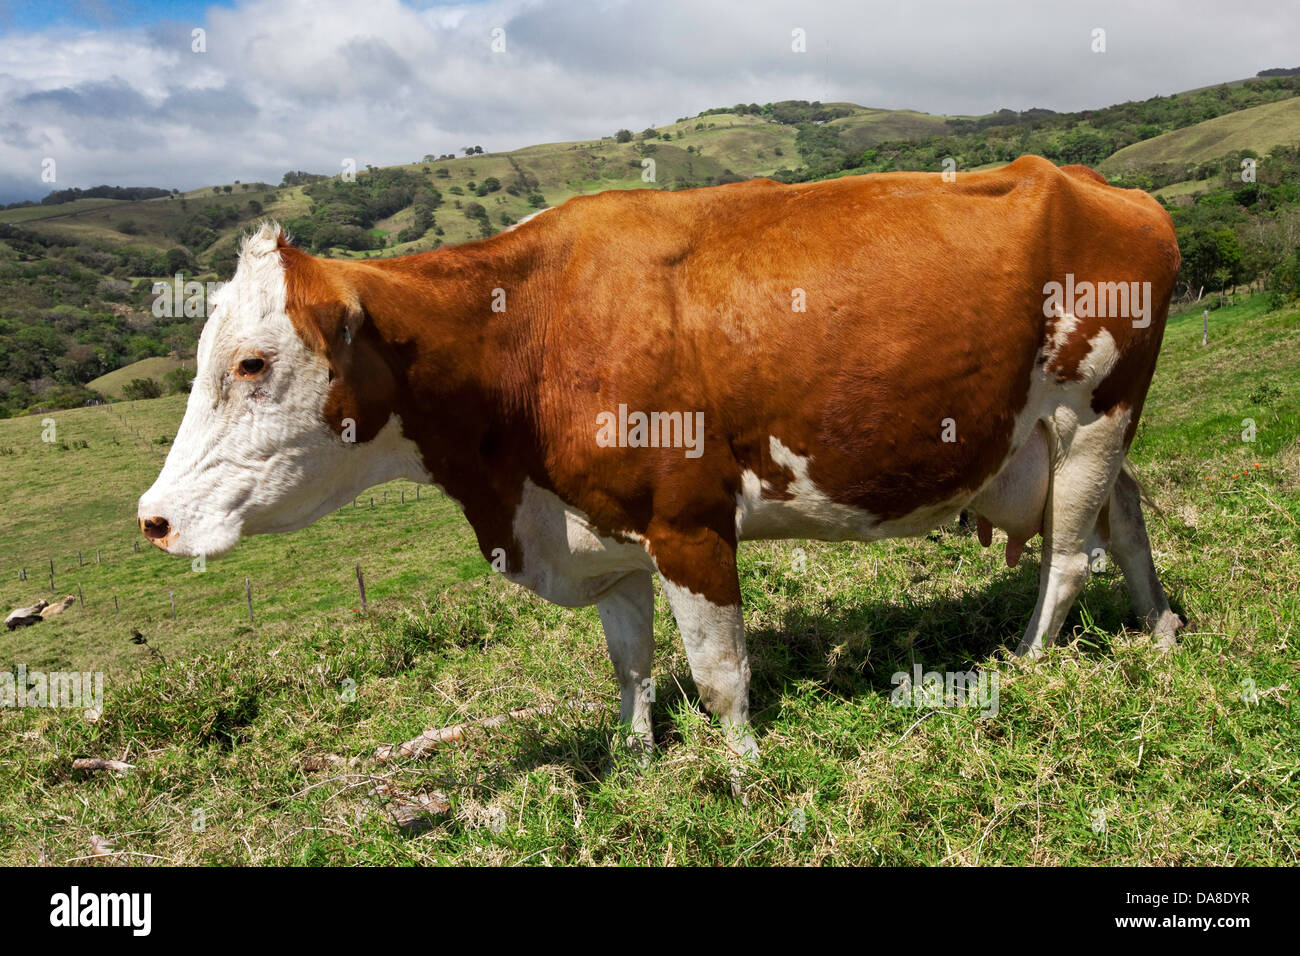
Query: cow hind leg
point(627, 616)
point(1086, 457)
point(1132, 550)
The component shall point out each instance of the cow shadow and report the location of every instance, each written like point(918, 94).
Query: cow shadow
point(849, 648)
point(853, 648)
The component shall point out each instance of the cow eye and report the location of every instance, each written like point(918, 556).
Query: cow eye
point(251, 366)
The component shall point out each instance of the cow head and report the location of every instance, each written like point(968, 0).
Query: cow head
point(290, 414)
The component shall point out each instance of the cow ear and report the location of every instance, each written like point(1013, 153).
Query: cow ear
point(335, 325)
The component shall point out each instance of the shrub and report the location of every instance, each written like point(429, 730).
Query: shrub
point(142, 388)
point(179, 380)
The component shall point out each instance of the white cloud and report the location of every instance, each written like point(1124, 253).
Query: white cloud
point(303, 85)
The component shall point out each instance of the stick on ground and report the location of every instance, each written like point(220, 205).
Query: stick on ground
point(434, 736)
point(100, 763)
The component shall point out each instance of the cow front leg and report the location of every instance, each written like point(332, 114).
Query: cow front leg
point(714, 637)
point(627, 615)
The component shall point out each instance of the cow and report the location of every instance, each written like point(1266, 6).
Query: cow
point(58, 607)
point(26, 616)
point(632, 383)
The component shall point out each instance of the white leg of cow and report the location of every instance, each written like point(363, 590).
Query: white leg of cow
point(714, 637)
point(627, 615)
point(1132, 550)
point(1085, 460)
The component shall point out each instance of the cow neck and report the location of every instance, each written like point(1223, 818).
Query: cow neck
point(461, 329)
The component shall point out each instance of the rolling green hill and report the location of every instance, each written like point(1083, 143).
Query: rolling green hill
point(695, 151)
point(1259, 129)
point(156, 367)
point(76, 277)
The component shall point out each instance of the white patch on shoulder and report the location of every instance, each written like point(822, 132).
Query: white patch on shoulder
point(565, 559)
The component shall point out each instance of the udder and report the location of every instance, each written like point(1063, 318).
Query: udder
point(1015, 499)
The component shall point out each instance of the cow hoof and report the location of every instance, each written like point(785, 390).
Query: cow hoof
point(742, 775)
point(1029, 652)
point(633, 752)
point(744, 764)
point(1166, 630)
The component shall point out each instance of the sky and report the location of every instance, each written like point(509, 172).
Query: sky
point(125, 92)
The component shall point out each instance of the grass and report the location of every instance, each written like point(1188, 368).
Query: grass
point(1103, 753)
point(69, 499)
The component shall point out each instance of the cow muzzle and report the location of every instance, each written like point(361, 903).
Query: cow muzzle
point(158, 530)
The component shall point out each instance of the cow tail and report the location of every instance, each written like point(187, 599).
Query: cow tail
point(1143, 494)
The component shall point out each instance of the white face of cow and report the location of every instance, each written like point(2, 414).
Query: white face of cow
point(254, 453)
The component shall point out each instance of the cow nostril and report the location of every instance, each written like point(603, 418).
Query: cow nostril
point(155, 529)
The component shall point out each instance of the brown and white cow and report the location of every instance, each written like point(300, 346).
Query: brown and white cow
point(634, 382)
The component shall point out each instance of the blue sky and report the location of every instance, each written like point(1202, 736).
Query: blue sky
point(38, 15)
point(119, 91)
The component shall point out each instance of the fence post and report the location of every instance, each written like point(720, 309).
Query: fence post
point(80, 597)
point(1205, 326)
point(248, 590)
point(172, 595)
point(116, 609)
point(51, 574)
point(361, 586)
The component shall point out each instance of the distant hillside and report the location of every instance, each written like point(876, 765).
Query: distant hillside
point(156, 368)
point(77, 270)
point(1259, 129)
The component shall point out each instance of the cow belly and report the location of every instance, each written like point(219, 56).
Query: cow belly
point(565, 560)
point(1015, 499)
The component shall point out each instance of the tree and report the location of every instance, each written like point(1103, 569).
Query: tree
point(1211, 257)
point(179, 380)
point(177, 260)
point(142, 388)
point(624, 136)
